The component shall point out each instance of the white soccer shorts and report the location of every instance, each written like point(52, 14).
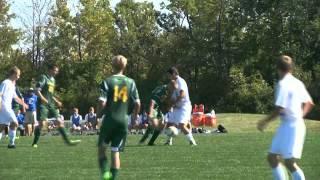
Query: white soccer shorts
point(7, 116)
point(180, 115)
point(289, 139)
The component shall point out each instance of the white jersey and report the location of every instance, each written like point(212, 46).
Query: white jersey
point(182, 85)
point(8, 91)
point(289, 138)
point(290, 95)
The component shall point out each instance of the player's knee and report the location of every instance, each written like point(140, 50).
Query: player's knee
point(273, 160)
point(290, 164)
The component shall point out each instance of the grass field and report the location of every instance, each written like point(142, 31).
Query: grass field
point(240, 154)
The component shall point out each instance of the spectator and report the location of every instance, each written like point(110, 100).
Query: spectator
point(76, 120)
point(91, 119)
point(31, 113)
point(20, 118)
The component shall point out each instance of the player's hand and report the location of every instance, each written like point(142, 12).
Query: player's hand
point(25, 106)
point(261, 126)
point(59, 104)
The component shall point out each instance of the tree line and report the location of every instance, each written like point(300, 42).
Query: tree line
point(225, 49)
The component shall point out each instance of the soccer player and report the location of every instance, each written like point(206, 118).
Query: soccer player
point(118, 92)
point(47, 105)
point(159, 105)
point(7, 115)
point(292, 103)
point(155, 115)
point(31, 113)
point(182, 107)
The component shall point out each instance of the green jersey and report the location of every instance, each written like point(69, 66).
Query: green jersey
point(158, 95)
point(119, 92)
point(46, 85)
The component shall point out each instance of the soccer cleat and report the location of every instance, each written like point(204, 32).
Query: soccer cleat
point(193, 143)
point(11, 146)
point(35, 145)
point(107, 176)
point(74, 142)
point(168, 143)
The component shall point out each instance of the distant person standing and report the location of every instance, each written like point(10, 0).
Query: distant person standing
point(7, 115)
point(31, 113)
point(292, 104)
point(47, 105)
point(181, 114)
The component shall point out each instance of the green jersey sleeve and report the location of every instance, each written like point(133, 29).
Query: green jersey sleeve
point(104, 91)
point(41, 82)
point(134, 95)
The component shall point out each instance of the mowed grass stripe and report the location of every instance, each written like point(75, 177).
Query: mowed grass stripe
point(240, 154)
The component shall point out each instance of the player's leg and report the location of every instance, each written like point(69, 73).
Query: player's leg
point(278, 170)
point(2, 127)
point(158, 125)
point(117, 144)
point(297, 173)
point(103, 139)
point(12, 129)
point(12, 134)
point(149, 131)
point(43, 116)
point(184, 128)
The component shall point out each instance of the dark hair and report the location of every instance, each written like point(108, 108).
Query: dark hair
point(52, 66)
point(173, 70)
point(285, 63)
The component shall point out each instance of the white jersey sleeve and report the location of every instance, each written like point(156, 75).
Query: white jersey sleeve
point(305, 95)
point(282, 95)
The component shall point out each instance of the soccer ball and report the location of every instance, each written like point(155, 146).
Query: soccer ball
point(171, 131)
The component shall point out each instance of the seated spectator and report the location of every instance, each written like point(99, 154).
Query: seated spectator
point(142, 124)
point(20, 118)
point(76, 120)
point(31, 115)
point(91, 120)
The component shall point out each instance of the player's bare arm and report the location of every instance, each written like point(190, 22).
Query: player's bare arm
point(263, 123)
point(42, 98)
point(59, 103)
point(100, 107)
point(135, 113)
point(21, 102)
point(150, 110)
point(307, 107)
point(0, 101)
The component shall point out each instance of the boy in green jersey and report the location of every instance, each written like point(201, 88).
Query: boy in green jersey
point(156, 111)
point(47, 105)
point(117, 93)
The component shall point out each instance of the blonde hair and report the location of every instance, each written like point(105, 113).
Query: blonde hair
point(119, 62)
point(13, 70)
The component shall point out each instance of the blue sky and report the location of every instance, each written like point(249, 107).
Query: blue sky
point(23, 11)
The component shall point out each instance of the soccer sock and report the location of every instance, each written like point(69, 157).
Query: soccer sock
point(279, 173)
point(114, 172)
point(0, 135)
point(190, 137)
point(37, 133)
point(63, 133)
point(298, 175)
point(146, 135)
point(103, 164)
point(12, 136)
point(155, 135)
